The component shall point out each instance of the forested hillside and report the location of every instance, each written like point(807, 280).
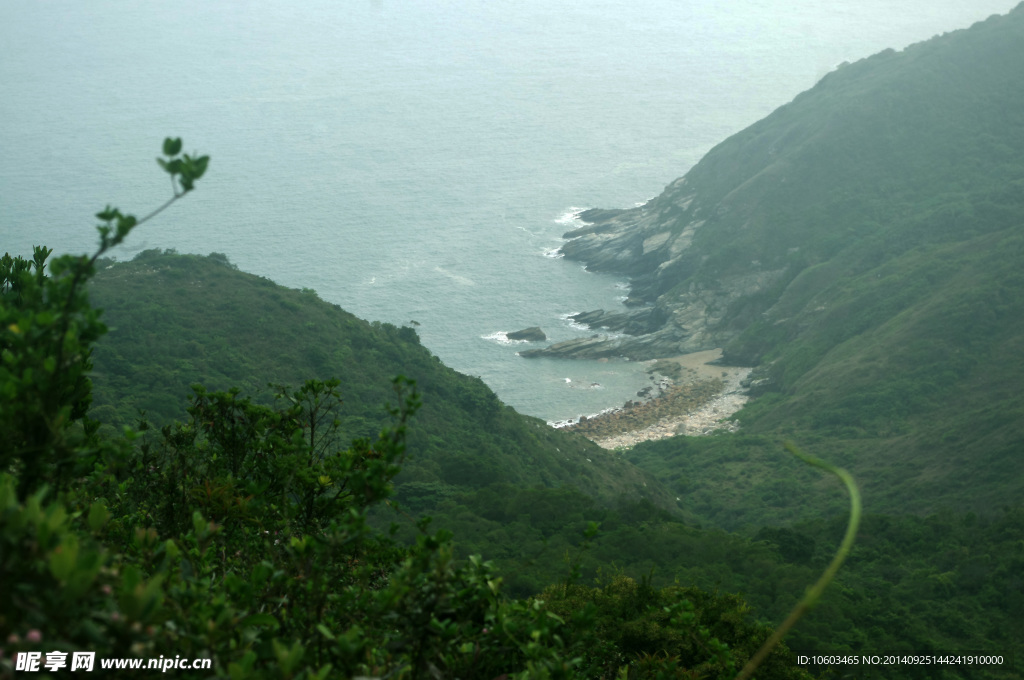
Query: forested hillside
point(177, 320)
point(237, 542)
point(789, 515)
point(861, 246)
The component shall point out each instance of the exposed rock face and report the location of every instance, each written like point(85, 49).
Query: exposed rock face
point(653, 244)
point(674, 307)
point(759, 381)
point(531, 334)
point(636, 242)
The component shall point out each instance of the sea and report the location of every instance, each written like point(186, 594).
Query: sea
point(415, 161)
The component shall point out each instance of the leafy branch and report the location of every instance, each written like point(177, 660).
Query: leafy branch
point(47, 330)
point(184, 172)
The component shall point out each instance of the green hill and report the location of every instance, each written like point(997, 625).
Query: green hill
point(177, 320)
point(862, 247)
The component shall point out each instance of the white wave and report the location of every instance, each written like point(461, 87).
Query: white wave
point(554, 253)
point(576, 326)
point(567, 318)
point(572, 421)
point(501, 338)
point(571, 219)
point(571, 216)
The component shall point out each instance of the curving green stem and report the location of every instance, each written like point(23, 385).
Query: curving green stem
point(814, 593)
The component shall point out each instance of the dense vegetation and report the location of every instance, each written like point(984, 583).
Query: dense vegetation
point(240, 535)
point(896, 592)
point(214, 325)
point(255, 530)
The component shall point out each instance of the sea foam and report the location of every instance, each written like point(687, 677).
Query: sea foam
point(501, 338)
point(567, 318)
point(571, 217)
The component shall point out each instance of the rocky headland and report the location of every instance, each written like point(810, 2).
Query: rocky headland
point(654, 246)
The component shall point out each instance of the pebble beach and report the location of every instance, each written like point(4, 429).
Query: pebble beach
point(688, 396)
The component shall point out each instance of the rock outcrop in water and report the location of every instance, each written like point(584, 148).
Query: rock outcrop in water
point(531, 334)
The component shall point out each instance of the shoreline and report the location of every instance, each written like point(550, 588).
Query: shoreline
point(693, 402)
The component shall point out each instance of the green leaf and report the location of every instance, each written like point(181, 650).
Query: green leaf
point(242, 669)
point(200, 525)
point(171, 550)
point(98, 515)
point(171, 167)
point(259, 620)
point(172, 147)
point(200, 166)
point(108, 214)
point(287, 658)
point(64, 558)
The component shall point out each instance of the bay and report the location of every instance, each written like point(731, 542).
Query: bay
point(411, 161)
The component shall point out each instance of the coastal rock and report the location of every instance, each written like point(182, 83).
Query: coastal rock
point(668, 341)
point(594, 347)
point(759, 381)
point(674, 306)
point(531, 334)
point(632, 322)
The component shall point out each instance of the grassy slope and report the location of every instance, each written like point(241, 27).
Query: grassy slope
point(891, 194)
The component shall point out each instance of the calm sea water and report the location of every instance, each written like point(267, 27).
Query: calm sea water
point(412, 160)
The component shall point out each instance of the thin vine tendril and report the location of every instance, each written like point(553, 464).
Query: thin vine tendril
point(815, 592)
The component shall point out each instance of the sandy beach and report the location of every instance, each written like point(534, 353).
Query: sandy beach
point(691, 398)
